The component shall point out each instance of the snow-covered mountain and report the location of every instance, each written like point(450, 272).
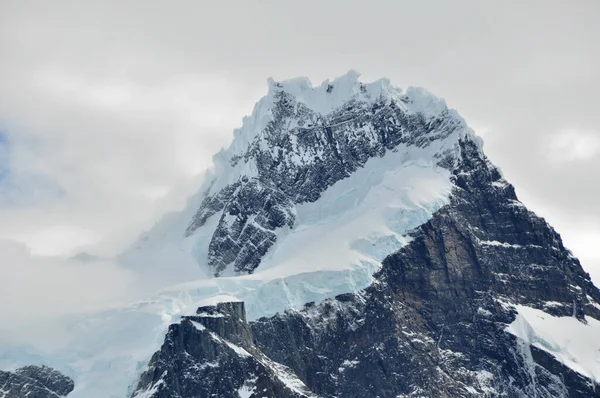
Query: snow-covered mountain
point(360, 244)
point(319, 185)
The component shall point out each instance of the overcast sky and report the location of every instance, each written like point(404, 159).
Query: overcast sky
point(110, 110)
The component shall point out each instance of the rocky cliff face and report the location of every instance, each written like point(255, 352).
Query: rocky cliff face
point(433, 324)
point(34, 382)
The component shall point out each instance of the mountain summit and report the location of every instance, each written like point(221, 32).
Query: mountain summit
point(445, 285)
point(301, 141)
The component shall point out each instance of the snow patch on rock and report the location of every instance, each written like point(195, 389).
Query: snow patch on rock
point(574, 343)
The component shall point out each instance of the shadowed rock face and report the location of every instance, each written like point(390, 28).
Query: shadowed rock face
point(431, 325)
point(34, 382)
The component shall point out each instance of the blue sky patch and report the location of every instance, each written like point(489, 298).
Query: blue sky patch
point(4, 160)
point(25, 188)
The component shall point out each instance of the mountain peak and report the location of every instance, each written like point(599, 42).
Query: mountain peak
point(325, 103)
point(300, 141)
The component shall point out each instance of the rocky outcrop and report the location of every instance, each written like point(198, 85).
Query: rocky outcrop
point(213, 354)
point(246, 230)
point(34, 382)
point(433, 324)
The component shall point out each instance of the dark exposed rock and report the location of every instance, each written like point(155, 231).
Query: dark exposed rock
point(433, 324)
point(34, 382)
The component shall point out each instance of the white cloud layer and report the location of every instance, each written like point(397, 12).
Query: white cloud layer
point(574, 146)
point(37, 292)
